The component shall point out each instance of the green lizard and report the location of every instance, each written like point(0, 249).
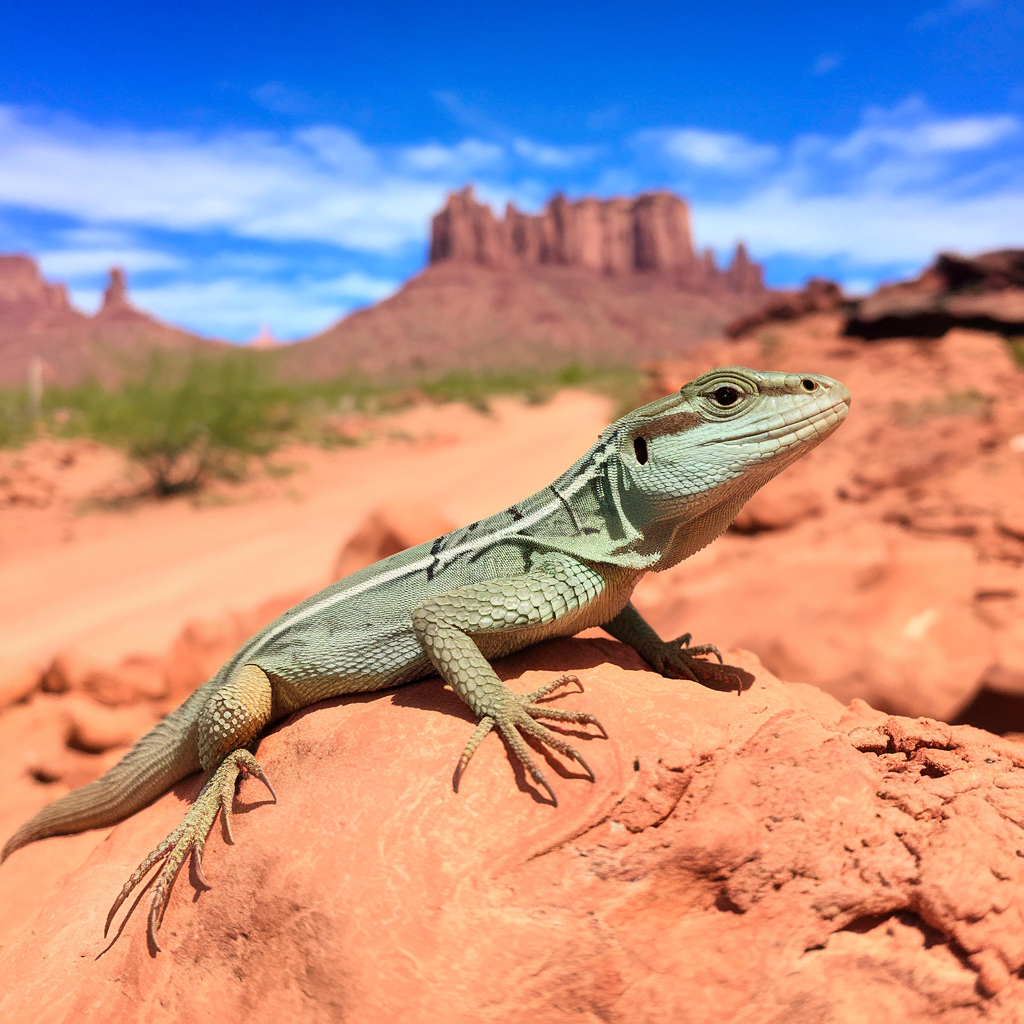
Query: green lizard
point(660, 484)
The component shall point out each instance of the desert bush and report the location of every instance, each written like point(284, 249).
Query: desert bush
point(185, 418)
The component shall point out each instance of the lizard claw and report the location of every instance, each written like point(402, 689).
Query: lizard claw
point(517, 718)
point(189, 839)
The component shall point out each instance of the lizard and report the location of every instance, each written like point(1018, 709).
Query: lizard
point(660, 484)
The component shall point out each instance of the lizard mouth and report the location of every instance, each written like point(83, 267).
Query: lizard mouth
point(800, 428)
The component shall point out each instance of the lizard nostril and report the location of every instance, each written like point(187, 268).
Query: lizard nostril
point(809, 385)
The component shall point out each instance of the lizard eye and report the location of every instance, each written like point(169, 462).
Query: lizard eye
point(640, 449)
point(725, 396)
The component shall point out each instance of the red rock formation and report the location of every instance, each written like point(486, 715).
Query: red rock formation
point(115, 297)
point(818, 295)
point(388, 530)
point(590, 281)
point(38, 322)
point(764, 857)
point(648, 234)
point(984, 292)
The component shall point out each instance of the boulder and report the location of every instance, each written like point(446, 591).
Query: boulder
point(984, 292)
point(386, 531)
point(754, 857)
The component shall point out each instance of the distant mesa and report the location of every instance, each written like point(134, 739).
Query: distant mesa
point(265, 338)
point(40, 327)
point(591, 281)
point(649, 234)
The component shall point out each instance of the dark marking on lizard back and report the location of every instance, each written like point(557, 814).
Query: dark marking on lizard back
point(434, 549)
point(515, 513)
point(567, 507)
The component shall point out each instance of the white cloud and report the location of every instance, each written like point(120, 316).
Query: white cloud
point(237, 307)
point(553, 156)
point(281, 99)
point(462, 159)
point(868, 228)
point(825, 63)
point(697, 148)
point(911, 131)
point(82, 262)
point(319, 184)
point(948, 12)
point(899, 187)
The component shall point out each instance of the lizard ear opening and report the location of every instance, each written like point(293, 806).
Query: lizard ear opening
point(640, 449)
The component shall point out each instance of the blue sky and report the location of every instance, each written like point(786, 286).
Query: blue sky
point(278, 163)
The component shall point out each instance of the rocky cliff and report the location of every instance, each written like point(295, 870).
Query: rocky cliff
point(649, 234)
point(592, 281)
point(38, 323)
point(984, 292)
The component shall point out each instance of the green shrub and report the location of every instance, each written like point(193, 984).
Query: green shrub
point(187, 418)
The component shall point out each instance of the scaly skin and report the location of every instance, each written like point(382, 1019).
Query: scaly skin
point(661, 483)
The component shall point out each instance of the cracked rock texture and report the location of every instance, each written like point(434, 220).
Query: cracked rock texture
point(770, 856)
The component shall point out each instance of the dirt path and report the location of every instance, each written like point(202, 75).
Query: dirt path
point(112, 583)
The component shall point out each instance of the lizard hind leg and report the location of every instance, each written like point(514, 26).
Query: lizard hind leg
point(228, 722)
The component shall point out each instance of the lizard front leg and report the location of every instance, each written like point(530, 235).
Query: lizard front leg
point(229, 721)
point(556, 585)
point(672, 658)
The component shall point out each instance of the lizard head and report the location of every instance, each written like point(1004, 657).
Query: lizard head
point(702, 452)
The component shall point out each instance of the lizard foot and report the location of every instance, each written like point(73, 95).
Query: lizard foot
point(678, 660)
point(516, 715)
point(190, 837)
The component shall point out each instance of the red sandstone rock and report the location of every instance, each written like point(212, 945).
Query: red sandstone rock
point(985, 292)
point(762, 857)
point(39, 324)
point(17, 682)
point(388, 530)
point(906, 586)
point(650, 233)
point(817, 296)
point(94, 728)
point(204, 645)
point(605, 281)
point(137, 678)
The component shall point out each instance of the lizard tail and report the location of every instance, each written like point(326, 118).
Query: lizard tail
point(164, 756)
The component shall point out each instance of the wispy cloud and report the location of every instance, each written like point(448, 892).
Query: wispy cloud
point(281, 99)
point(948, 12)
point(224, 231)
point(721, 152)
point(76, 262)
point(825, 63)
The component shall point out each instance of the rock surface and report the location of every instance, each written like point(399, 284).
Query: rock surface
point(646, 234)
point(744, 858)
point(889, 563)
point(984, 292)
point(38, 323)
